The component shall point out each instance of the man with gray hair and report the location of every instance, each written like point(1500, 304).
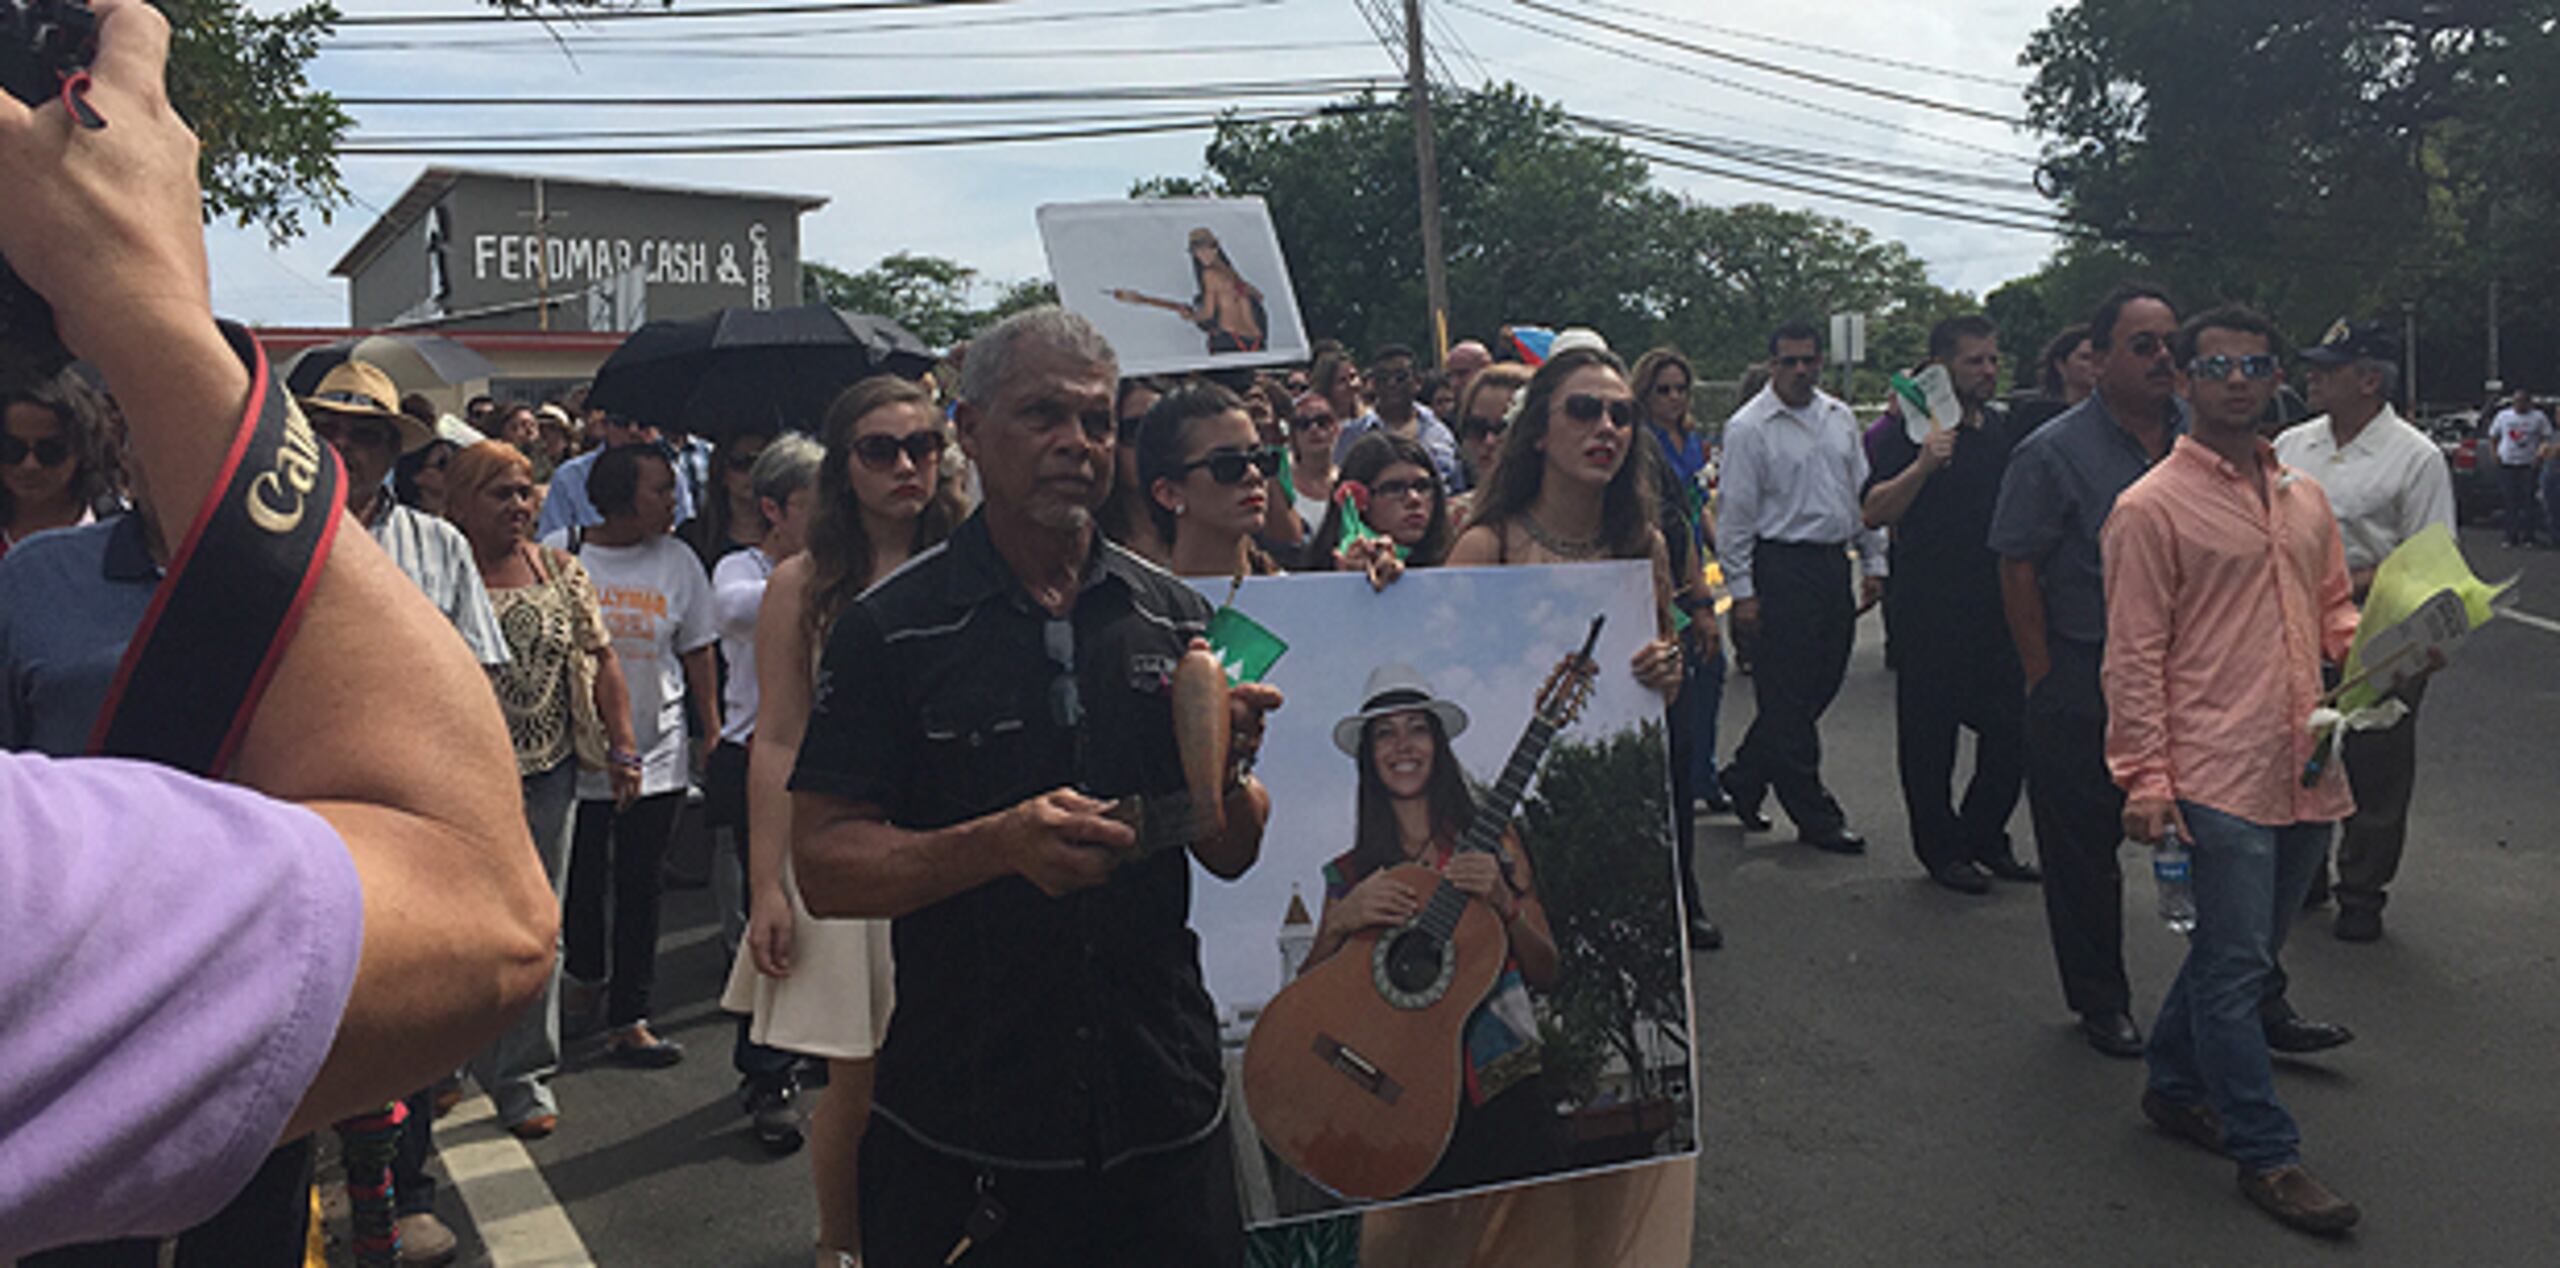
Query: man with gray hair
point(784, 478)
point(2387, 482)
point(986, 719)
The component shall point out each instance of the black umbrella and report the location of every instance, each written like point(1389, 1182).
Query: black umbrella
point(413, 362)
point(781, 367)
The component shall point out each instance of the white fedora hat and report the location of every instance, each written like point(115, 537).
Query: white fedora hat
point(1396, 689)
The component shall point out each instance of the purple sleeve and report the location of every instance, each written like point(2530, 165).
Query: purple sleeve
point(177, 957)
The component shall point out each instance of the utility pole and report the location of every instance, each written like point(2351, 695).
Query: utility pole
point(2409, 351)
point(542, 255)
point(1435, 273)
point(2495, 383)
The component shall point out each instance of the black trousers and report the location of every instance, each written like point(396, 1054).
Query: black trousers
point(2382, 768)
point(1808, 620)
point(1958, 678)
point(2515, 484)
point(1176, 1209)
point(2079, 821)
point(1681, 731)
point(613, 866)
point(265, 1225)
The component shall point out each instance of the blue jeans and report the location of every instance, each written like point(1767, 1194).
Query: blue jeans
point(2208, 1045)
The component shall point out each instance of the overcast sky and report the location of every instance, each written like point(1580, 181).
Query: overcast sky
point(975, 204)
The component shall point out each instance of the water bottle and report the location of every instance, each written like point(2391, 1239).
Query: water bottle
point(2170, 868)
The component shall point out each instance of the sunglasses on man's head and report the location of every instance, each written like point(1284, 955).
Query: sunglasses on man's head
point(2210, 369)
point(1585, 408)
point(880, 451)
point(52, 451)
point(1227, 465)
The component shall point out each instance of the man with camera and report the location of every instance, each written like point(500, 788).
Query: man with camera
point(199, 970)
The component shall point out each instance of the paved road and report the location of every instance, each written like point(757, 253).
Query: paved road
point(1890, 1076)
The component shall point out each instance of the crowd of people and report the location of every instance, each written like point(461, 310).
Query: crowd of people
point(889, 650)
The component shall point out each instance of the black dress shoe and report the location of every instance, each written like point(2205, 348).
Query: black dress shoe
point(1745, 807)
point(2297, 1035)
point(1703, 934)
point(2009, 867)
point(2112, 1033)
point(1836, 840)
point(1963, 878)
point(1716, 803)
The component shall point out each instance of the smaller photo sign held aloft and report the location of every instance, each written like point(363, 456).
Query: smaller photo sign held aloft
point(1177, 284)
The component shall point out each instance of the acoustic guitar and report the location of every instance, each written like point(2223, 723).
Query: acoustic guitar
point(1354, 1071)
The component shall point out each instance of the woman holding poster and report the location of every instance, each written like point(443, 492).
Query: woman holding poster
point(1415, 807)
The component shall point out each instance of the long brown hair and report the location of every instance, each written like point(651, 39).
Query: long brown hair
point(1370, 456)
point(1648, 371)
point(842, 557)
point(1626, 506)
point(1376, 841)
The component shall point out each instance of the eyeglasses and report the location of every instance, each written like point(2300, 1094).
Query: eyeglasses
point(880, 452)
point(1382, 377)
point(1227, 465)
point(1066, 699)
point(1479, 428)
point(1671, 389)
point(52, 451)
point(2209, 369)
point(340, 431)
point(1585, 408)
point(2147, 345)
point(1297, 383)
point(1797, 363)
point(1424, 487)
point(1312, 422)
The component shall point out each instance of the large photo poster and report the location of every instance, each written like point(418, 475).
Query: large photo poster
point(1458, 964)
point(1177, 284)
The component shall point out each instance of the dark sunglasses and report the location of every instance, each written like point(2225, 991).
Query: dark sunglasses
point(1585, 408)
point(2147, 345)
point(1479, 428)
point(741, 459)
point(1671, 389)
point(52, 451)
point(1426, 486)
point(1227, 465)
point(1796, 363)
point(1391, 376)
point(2210, 369)
point(338, 431)
point(1312, 421)
point(1066, 697)
point(880, 452)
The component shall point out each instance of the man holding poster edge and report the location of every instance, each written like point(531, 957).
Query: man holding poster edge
point(1222, 301)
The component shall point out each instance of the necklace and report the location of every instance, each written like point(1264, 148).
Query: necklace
point(1564, 547)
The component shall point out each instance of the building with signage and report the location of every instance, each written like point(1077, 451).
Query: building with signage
point(466, 249)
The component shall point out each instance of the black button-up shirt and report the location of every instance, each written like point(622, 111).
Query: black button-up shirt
point(2061, 485)
point(1946, 580)
point(1030, 1031)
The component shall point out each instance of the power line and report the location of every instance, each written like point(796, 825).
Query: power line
point(1763, 150)
point(1654, 136)
point(1808, 46)
point(1755, 90)
point(1939, 213)
point(1337, 87)
point(809, 126)
point(485, 17)
point(816, 146)
point(1774, 68)
point(655, 48)
point(797, 32)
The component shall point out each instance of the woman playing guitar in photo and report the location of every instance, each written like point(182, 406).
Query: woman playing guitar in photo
point(1414, 807)
point(1225, 307)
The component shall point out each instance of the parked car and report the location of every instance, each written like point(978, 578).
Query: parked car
point(2463, 436)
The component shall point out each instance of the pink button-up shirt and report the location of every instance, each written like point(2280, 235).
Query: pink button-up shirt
point(2221, 605)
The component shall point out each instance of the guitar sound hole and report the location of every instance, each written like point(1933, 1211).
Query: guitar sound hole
point(1413, 961)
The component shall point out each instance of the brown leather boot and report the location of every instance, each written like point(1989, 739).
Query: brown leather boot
point(2290, 1194)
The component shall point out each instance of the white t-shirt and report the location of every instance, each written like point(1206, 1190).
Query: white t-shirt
point(2519, 435)
point(657, 606)
point(737, 593)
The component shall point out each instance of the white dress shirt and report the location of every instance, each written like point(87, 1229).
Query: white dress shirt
point(2386, 485)
point(1792, 475)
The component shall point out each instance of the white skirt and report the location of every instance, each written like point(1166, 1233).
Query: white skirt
point(837, 1001)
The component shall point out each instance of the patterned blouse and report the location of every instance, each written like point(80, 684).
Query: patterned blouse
point(544, 624)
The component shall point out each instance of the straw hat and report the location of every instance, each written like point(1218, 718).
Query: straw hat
point(1396, 689)
point(357, 390)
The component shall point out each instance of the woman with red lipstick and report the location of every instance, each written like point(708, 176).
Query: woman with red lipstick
point(558, 650)
point(885, 491)
point(1209, 480)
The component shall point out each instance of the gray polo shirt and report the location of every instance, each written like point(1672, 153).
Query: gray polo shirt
point(69, 602)
point(2062, 483)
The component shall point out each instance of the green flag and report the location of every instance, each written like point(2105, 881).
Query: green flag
point(1245, 649)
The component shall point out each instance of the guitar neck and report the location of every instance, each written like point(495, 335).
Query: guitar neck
point(1493, 814)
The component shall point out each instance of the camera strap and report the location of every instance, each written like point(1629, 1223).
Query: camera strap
point(235, 590)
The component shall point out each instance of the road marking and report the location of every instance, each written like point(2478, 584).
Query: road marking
point(521, 1221)
point(2542, 623)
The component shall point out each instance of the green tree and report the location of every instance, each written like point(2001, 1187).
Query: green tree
point(1598, 831)
point(929, 295)
point(269, 139)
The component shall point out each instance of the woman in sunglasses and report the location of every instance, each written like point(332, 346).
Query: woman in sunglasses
point(1484, 413)
point(1408, 510)
point(1124, 518)
point(1210, 481)
point(53, 468)
point(1312, 428)
point(886, 491)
